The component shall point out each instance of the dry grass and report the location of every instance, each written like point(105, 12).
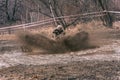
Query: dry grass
point(8, 37)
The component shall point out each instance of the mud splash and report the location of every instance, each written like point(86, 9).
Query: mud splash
point(17, 58)
point(73, 43)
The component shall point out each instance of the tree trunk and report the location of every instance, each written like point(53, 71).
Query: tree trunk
point(107, 18)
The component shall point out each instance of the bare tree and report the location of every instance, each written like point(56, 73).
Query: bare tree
point(17, 8)
point(14, 10)
point(57, 11)
point(7, 10)
point(107, 19)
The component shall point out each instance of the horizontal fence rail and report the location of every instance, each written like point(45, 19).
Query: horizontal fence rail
point(51, 20)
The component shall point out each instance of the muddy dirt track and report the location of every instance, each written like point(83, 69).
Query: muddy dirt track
point(100, 63)
point(81, 70)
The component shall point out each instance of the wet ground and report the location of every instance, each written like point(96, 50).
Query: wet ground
point(80, 70)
